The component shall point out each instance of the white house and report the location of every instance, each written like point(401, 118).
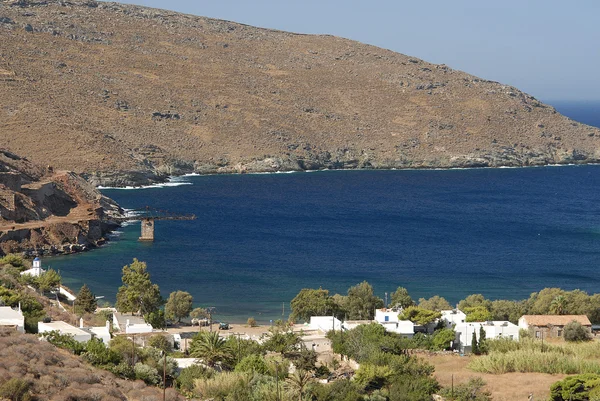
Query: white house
point(65, 328)
point(493, 329)
point(36, 270)
point(388, 318)
point(10, 317)
point(101, 332)
point(324, 323)
point(130, 324)
point(453, 317)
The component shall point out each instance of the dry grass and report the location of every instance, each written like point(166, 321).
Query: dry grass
point(55, 374)
point(244, 93)
point(504, 387)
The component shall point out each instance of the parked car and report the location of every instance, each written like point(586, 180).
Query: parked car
point(223, 326)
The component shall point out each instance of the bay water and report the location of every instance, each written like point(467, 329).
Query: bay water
point(260, 238)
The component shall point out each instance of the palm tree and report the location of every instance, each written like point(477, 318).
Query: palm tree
point(298, 382)
point(558, 305)
point(211, 348)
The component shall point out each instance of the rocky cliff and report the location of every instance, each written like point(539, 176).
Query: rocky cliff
point(128, 95)
point(45, 211)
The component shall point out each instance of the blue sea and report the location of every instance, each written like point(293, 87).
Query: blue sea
point(258, 239)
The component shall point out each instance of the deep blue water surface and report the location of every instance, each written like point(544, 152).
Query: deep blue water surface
point(259, 239)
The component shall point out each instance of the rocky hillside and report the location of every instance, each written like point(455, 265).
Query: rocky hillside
point(129, 94)
point(31, 369)
point(48, 211)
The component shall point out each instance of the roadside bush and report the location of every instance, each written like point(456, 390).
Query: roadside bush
point(574, 331)
point(252, 322)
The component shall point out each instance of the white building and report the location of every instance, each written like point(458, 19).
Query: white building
point(324, 323)
point(36, 270)
point(388, 318)
point(493, 330)
point(10, 317)
point(100, 332)
point(453, 317)
point(130, 324)
point(78, 334)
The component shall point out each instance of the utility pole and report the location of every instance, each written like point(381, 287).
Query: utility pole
point(210, 311)
point(132, 350)
point(164, 374)
point(239, 346)
point(385, 305)
point(277, 379)
point(283, 311)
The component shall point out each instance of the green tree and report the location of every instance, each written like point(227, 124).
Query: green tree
point(482, 345)
point(435, 303)
point(443, 339)
point(211, 348)
point(86, 301)
point(474, 348)
point(475, 300)
point(138, 294)
point(310, 302)
point(539, 302)
point(253, 364)
point(401, 298)
point(477, 314)
point(418, 315)
point(156, 319)
point(507, 310)
point(50, 280)
point(574, 331)
point(179, 305)
point(558, 305)
point(298, 381)
point(160, 342)
point(282, 341)
point(361, 302)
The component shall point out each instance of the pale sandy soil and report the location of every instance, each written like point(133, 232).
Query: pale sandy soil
point(505, 387)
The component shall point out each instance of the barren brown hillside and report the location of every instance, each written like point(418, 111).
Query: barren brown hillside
point(126, 93)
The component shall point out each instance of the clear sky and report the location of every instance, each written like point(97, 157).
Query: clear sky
point(548, 48)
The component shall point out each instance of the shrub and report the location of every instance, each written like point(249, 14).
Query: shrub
point(580, 387)
point(160, 342)
point(13, 260)
point(253, 364)
point(226, 385)
point(470, 391)
point(574, 331)
point(146, 373)
point(442, 339)
point(372, 377)
point(252, 322)
point(15, 390)
point(187, 376)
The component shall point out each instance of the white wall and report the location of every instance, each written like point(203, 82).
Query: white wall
point(497, 329)
point(11, 317)
point(324, 323)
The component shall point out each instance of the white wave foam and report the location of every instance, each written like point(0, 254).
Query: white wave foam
point(163, 185)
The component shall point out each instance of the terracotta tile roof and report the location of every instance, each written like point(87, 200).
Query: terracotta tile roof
point(556, 320)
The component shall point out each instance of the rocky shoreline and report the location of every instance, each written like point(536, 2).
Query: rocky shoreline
point(122, 179)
